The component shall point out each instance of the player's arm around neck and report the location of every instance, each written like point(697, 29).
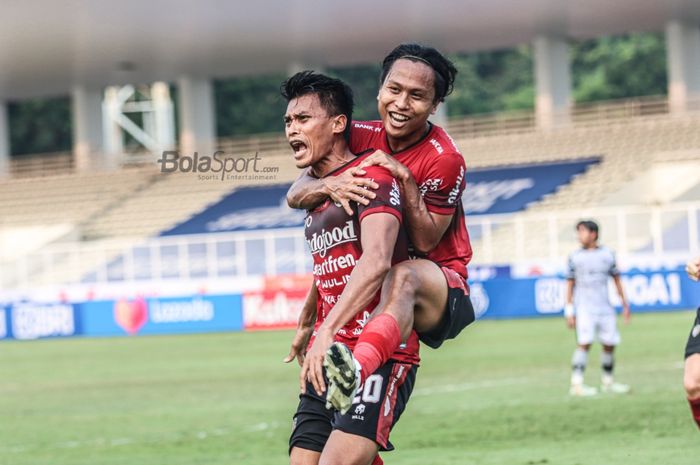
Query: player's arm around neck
point(308, 192)
point(378, 241)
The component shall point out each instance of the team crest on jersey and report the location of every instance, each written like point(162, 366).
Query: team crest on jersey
point(696, 331)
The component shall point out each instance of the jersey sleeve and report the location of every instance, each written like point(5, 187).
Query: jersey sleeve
point(570, 268)
point(444, 183)
point(388, 199)
point(613, 271)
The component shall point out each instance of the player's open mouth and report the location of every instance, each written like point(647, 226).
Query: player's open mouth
point(397, 119)
point(298, 147)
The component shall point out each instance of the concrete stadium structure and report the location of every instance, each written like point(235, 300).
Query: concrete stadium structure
point(81, 47)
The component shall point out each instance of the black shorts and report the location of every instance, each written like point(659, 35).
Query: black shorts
point(459, 312)
point(693, 345)
point(374, 411)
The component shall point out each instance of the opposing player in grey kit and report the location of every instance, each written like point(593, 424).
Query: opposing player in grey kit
point(589, 310)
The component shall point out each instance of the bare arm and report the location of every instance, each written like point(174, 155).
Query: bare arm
point(308, 192)
point(424, 227)
point(307, 318)
point(693, 269)
point(367, 276)
point(569, 308)
point(305, 327)
point(365, 280)
point(621, 292)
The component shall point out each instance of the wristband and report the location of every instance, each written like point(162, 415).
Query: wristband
point(569, 310)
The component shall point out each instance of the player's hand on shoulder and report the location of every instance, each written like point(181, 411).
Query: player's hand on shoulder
point(693, 269)
point(299, 343)
point(380, 158)
point(350, 186)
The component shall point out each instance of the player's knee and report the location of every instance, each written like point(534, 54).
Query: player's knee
point(691, 382)
point(403, 278)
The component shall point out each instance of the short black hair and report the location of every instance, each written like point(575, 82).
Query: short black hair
point(591, 225)
point(335, 96)
point(445, 71)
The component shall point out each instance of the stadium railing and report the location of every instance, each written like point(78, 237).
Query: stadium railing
point(636, 233)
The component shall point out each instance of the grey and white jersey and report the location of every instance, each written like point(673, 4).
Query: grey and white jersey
point(591, 270)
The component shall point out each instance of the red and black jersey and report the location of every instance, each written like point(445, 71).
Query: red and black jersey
point(439, 170)
point(334, 238)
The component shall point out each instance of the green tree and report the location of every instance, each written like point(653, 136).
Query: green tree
point(364, 81)
point(40, 125)
point(624, 66)
point(249, 105)
point(492, 81)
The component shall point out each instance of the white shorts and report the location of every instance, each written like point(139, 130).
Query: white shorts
point(597, 327)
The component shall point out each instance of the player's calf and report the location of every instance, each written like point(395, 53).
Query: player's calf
point(607, 365)
point(691, 382)
point(578, 368)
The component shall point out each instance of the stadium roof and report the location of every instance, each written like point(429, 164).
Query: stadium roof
point(48, 46)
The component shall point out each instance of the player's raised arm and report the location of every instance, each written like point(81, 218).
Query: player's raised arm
point(308, 192)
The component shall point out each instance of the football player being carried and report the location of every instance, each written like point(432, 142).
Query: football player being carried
point(428, 294)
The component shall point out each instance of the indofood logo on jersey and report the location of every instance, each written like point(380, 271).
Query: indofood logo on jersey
point(321, 242)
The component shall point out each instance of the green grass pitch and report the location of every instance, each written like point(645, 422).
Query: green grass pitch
point(496, 395)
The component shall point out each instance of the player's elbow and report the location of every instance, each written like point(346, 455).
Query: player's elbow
point(425, 245)
point(379, 264)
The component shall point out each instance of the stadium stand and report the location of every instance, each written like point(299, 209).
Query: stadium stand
point(133, 203)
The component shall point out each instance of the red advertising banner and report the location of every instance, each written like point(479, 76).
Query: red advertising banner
point(277, 305)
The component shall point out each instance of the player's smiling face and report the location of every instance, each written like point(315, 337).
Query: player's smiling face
point(406, 101)
point(309, 130)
